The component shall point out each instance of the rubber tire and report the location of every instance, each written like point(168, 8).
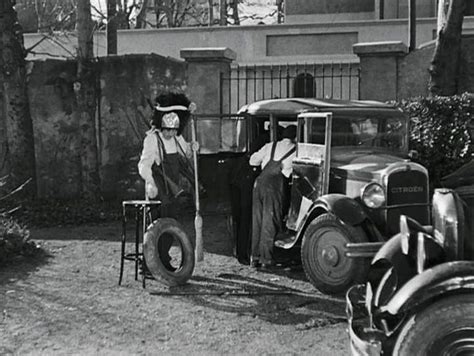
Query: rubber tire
point(423, 333)
point(156, 231)
point(357, 267)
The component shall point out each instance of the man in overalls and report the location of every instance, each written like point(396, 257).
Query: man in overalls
point(241, 180)
point(270, 195)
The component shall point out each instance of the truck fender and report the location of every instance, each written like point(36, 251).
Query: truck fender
point(447, 277)
point(345, 208)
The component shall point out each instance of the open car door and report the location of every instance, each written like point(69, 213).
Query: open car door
point(310, 178)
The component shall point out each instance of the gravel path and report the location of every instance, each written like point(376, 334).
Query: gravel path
point(70, 303)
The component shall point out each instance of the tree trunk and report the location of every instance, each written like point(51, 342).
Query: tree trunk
point(84, 89)
point(235, 11)
point(210, 5)
point(157, 5)
point(444, 69)
point(111, 26)
point(168, 10)
point(280, 11)
point(141, 17)
point(223, 17)
point(18, 151)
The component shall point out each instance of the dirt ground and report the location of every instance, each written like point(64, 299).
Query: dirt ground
point(70, 303)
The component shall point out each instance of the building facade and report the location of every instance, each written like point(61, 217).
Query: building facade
point(311, 54)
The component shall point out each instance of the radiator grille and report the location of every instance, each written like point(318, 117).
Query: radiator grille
point(407, 187)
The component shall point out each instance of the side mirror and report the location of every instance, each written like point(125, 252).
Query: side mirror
point(413, 154)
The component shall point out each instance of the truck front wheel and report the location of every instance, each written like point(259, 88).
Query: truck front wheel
point(446, 327)
point(323, 254)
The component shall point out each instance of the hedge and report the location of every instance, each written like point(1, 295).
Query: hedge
point(440, 132)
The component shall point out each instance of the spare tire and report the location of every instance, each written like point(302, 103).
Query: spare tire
point(168, 252)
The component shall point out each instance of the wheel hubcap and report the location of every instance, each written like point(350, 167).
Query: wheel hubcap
point(333, 266)
point(331, 256)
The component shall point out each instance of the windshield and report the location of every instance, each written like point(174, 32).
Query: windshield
point(384, 132)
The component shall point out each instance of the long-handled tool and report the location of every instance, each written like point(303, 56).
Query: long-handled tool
point(198, 219)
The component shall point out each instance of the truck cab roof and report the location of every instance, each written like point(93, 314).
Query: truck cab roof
point(295, 106)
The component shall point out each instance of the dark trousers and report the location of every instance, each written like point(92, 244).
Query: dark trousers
point(267, 220)
point(241, 205)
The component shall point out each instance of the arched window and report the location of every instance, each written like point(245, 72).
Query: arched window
point(303, 86)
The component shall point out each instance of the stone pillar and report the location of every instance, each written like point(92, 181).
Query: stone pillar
point(205, 66)
point(379, 63)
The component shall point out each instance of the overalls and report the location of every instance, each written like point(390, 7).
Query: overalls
point(267, 205)
point(167, 176)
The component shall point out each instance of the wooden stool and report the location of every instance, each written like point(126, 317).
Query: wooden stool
point(143, 210)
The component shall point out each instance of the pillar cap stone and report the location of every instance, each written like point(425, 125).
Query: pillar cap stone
point(221, 54)
point(385, 48)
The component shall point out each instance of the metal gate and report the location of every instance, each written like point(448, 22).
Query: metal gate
point(247, 84)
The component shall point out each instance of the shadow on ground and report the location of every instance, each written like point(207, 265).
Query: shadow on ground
point(245, 295)
point(21, 267)
point(216, 235)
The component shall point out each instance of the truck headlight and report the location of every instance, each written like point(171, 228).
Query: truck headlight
point(373, 195)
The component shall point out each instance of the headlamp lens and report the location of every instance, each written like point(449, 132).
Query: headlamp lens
point(373, 195)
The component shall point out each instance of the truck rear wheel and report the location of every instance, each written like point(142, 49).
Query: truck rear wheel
point(323, 255)
point(446, 327)
point(168, 252)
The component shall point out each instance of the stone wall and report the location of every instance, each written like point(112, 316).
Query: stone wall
point(414, 76)
point(125, 83)
point(413, 72)
point(389, 72)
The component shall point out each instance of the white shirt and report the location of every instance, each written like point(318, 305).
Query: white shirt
point(151, 154)
point(262, 156)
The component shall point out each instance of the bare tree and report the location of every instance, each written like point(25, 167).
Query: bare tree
point(111, 26)
point(281, 10)
point(178, 13)
point(234, 5)
point(223, 13)
point(444, 69)
point(46, 15)
point(210, 7)
point(86, 95)
point(141, 16)
point(18, 155)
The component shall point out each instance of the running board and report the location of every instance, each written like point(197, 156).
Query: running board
point(362, 249)
point(286, 243)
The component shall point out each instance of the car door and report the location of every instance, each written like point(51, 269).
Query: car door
point(310, 178)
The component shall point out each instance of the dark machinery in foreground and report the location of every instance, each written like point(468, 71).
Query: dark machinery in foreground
point(419, 298)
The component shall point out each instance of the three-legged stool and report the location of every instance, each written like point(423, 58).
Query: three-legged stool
point(143, 211)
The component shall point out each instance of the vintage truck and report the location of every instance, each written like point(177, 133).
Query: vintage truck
point(352, 180)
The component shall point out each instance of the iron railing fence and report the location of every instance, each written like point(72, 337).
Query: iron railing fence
point(247, 84)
